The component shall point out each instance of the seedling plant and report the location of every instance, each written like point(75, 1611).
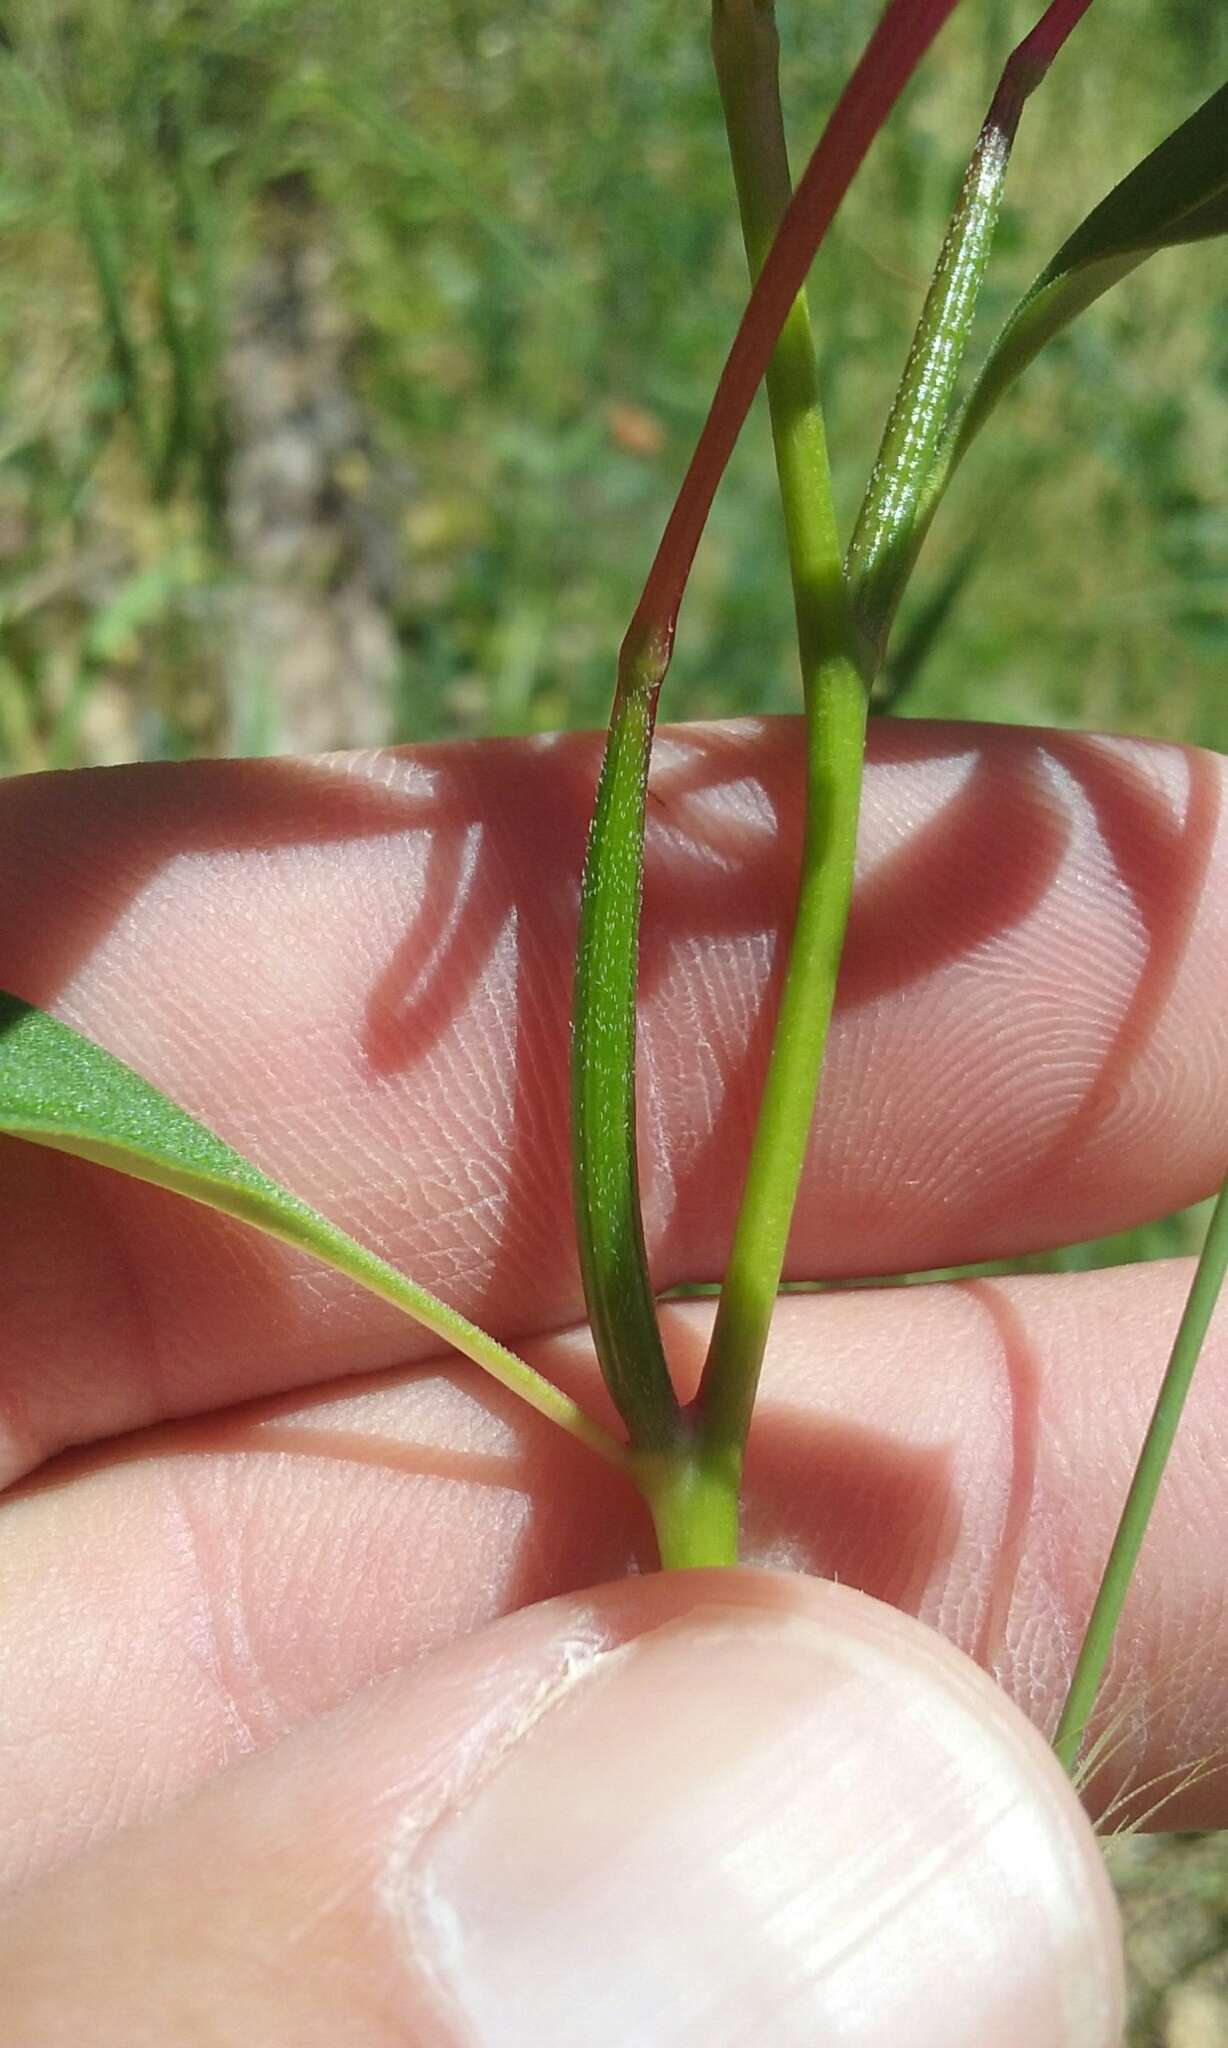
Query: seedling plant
point(59, 1089)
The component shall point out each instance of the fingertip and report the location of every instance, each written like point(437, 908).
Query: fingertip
point(711, 1808)
point(788, 1815)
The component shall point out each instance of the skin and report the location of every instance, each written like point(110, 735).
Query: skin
point(240, 1491)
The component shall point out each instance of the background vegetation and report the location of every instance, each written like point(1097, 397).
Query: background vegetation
point(501, 242)
point(352, 353)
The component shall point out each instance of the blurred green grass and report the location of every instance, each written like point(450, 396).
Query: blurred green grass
point(536, 260)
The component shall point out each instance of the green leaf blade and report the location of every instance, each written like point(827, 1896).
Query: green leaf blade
point(1149, 1469)
point(59, 1089)
point(1175, 196)
point(605, 1172)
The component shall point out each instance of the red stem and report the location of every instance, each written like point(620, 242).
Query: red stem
point(1027, 65)
point(904, 34)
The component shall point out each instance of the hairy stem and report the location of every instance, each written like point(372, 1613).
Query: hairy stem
point(609, 1228)
point(888, 533)
point(901, 496)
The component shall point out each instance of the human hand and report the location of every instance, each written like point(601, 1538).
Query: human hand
point(258, 1610)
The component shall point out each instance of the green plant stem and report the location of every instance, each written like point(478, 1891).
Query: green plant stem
point(745, 50)
point(609, 1229)
point(746, 54)
point(617, 1284)
point(835, 747)
point(694, 1510)
point(902, 35)
point(1177, 195)
point(1148, 1472)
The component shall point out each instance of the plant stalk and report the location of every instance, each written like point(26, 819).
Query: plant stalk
point(746, 52)
point(835, 743)
point(693, 1506)
point(1148, 1473)
point(605, 1174)
point(903, 34)
point(610, 1232)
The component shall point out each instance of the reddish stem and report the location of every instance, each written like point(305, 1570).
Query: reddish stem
point(1028, 63)
point(904, 34)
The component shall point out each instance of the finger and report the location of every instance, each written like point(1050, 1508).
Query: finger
point(712, 1808)
point(961, 1452)
point(360, 972)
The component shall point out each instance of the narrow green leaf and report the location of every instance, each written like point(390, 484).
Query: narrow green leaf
point(1178, 194)
point(605, 1175)
point(61, 1090)
point(1148, 1472)
point(100, 236)
point(890, 523)
point(893, 518)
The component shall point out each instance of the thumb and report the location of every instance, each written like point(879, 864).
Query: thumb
point(702, 1808)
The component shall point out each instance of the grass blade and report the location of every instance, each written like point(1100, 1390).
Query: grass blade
point(1148, 1472)
point(61, 1090)
point(891, 525)
point(1177, 195)
point(98, 232)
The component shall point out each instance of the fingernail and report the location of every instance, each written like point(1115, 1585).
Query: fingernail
point(749, 1826)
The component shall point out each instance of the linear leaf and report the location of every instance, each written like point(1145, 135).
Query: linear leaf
point(1092, 1661)
point(894, 514)
point(1178, 194)
point(59, 1089)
